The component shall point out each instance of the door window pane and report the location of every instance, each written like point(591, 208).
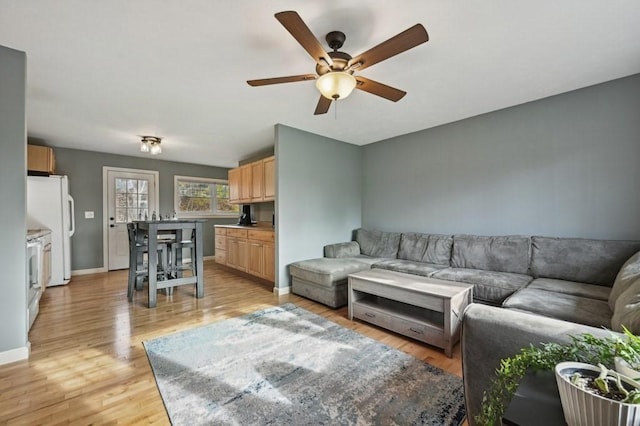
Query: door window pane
point(121, 185)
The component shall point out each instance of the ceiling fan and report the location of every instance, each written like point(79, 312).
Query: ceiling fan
point(334, 78)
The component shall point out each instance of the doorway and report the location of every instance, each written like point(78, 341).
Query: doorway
point(128, 195)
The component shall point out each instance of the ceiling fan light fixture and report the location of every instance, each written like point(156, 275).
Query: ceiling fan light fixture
point(336, 84)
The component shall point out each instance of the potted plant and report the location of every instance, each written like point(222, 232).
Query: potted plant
point(584, 348)
point(593, 396)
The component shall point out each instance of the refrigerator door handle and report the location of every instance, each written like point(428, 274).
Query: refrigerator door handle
point(72, 213)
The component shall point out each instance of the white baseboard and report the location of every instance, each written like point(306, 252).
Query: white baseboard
point(279, 291)
point(17, 354)
point(88, 271)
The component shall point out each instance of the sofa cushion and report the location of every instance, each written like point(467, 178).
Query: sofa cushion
point(328, 271)
point(629, 273)
point(502, 254)
point(568, 307)
point(427, 248)
point(580, 259)
point(591, 291)
point(408, 266)
point(627, 309)
point(489, 286)
point(349, 249)
point(378, 243)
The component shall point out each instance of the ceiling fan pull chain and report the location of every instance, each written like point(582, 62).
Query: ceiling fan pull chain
point(335, 110)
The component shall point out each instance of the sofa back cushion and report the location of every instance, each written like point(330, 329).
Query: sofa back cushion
point(503, 254)
point(338, 250)
point(426, 248)
point(580, 259)
point(378, 243)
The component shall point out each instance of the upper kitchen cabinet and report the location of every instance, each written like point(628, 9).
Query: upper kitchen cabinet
point(257, 182)
point(40, 160)
point(253, 182)
point(245, 184)
point(234, 185)
point(268, 166)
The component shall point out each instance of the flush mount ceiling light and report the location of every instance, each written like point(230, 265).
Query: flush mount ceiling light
point(151, 144)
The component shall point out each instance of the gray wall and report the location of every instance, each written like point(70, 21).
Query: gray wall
point(13, 208)
point(84, 169)
point(567, 165)
point(318, 187)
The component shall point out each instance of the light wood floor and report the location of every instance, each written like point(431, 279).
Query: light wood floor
point(87, 363)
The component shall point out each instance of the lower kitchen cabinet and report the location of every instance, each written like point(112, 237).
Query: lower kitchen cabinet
point(248, 250)
point(237, 253)
point(269, 262)
point(221, 245)
point(256, 261)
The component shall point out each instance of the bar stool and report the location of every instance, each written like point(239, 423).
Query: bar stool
point(138, 270)
point(175, 265)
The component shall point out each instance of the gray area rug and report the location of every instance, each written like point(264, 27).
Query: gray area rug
point(287, 366)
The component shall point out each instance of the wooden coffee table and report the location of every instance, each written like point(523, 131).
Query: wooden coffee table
point(426, 309)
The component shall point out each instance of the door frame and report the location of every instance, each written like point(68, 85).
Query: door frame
point(105, 204)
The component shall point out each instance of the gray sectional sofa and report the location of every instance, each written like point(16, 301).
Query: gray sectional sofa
point(530, 290)
point(564, 278)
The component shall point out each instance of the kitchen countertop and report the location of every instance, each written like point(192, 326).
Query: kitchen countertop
point(37, 232)
point(266, 226)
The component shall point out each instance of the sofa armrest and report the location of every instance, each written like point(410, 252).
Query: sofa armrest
point(490, 334)
point(350, 249)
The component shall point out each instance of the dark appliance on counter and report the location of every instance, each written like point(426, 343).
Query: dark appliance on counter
point(245, 217)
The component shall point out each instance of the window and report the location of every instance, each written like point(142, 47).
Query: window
point(201, 197)
point(132, 199)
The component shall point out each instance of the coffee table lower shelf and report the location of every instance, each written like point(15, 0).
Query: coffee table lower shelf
point(413, 321)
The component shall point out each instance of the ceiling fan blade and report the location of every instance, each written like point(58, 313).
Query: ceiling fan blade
point(404, 41)
point(278, 80)
point(379, 89)
point(323, 106)
point(299, 30)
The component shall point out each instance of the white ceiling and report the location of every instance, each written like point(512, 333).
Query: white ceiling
point(102, 73)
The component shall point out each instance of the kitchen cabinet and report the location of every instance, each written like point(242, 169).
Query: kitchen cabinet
point(260, 242)
point(251, 250)
point(40, 160)
point(269, 262)
point(255, 266)
point(268, 167)
point(234, 186)
point(253, 182)
point(237, 249)
point(245, 184)
point(257, 182)
point(221, 245)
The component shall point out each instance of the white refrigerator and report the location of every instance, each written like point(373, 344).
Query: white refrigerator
point(49, 205)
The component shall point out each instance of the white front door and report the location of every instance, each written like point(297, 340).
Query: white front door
point(130, 195)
